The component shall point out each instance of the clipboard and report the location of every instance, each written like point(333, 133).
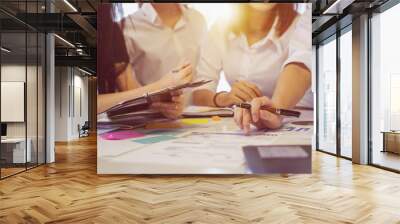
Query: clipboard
point(143, 103)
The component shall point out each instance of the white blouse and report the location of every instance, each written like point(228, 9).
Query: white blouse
point(260, 63)
point(154, 49)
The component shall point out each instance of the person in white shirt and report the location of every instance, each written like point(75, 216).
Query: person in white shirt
point(161, 35)
point(265, 52)
point(159, 38)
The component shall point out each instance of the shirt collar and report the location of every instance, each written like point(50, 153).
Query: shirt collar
point(272, 36)
point(151, 15)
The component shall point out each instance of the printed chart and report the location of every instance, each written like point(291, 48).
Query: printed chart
point(189, 146)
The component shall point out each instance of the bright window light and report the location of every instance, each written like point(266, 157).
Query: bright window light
point(211, 11)
point(122, 10)
point(214, 11)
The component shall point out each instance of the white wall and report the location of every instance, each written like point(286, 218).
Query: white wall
point(70, 83)
point(16, 73)
point(11, 73)
point(33, 127)
point(61, 103)
point(80, 100)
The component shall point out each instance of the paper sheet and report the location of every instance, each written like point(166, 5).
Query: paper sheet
point(214, 147)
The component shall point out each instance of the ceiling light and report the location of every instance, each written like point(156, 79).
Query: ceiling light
point(65, 41)
point(333, 6)
point(5, 50)
point(84, 71)
point(337, 7)
point(70, 5)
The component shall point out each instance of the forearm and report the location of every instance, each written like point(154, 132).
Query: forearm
point(106, 101)
point(292, 84)
point(203, 97)
point(126, 80)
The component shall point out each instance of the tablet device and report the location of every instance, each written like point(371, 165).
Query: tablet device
point(264, 159)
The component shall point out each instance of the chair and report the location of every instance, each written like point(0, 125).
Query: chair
point(84, 130)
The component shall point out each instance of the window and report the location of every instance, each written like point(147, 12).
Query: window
point(346, 94)
point(22, 75)
point(327, 96)
point(385, 89)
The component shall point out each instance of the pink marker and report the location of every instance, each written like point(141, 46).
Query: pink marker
point(121, 135)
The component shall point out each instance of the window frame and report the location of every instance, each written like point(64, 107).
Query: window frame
point(334, 37)
point(378, 10)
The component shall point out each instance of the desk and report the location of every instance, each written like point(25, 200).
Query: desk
point(391, 141)
point(16, 154)
point(211, 148)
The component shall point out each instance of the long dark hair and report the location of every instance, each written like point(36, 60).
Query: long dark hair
point(284, 12)
point(112, 55)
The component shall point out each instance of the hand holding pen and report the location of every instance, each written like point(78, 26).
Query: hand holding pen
point(178, 76)
point(261, 113)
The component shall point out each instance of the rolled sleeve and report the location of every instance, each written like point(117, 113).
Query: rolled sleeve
point(300, 46)
point(210, 64)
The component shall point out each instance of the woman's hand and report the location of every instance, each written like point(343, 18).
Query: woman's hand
point(241, 91)
point(259, 118)
point(181, 75)
point(173, 109)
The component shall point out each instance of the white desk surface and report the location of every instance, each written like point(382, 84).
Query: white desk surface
point(212, 148)
point(13, 140)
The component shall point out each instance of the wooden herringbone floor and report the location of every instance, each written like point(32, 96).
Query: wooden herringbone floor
point(69, 191)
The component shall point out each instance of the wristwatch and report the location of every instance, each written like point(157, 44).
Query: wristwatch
point(215, 98)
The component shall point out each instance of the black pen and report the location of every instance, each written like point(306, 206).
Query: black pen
point(283, 112)
point(179, 69)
